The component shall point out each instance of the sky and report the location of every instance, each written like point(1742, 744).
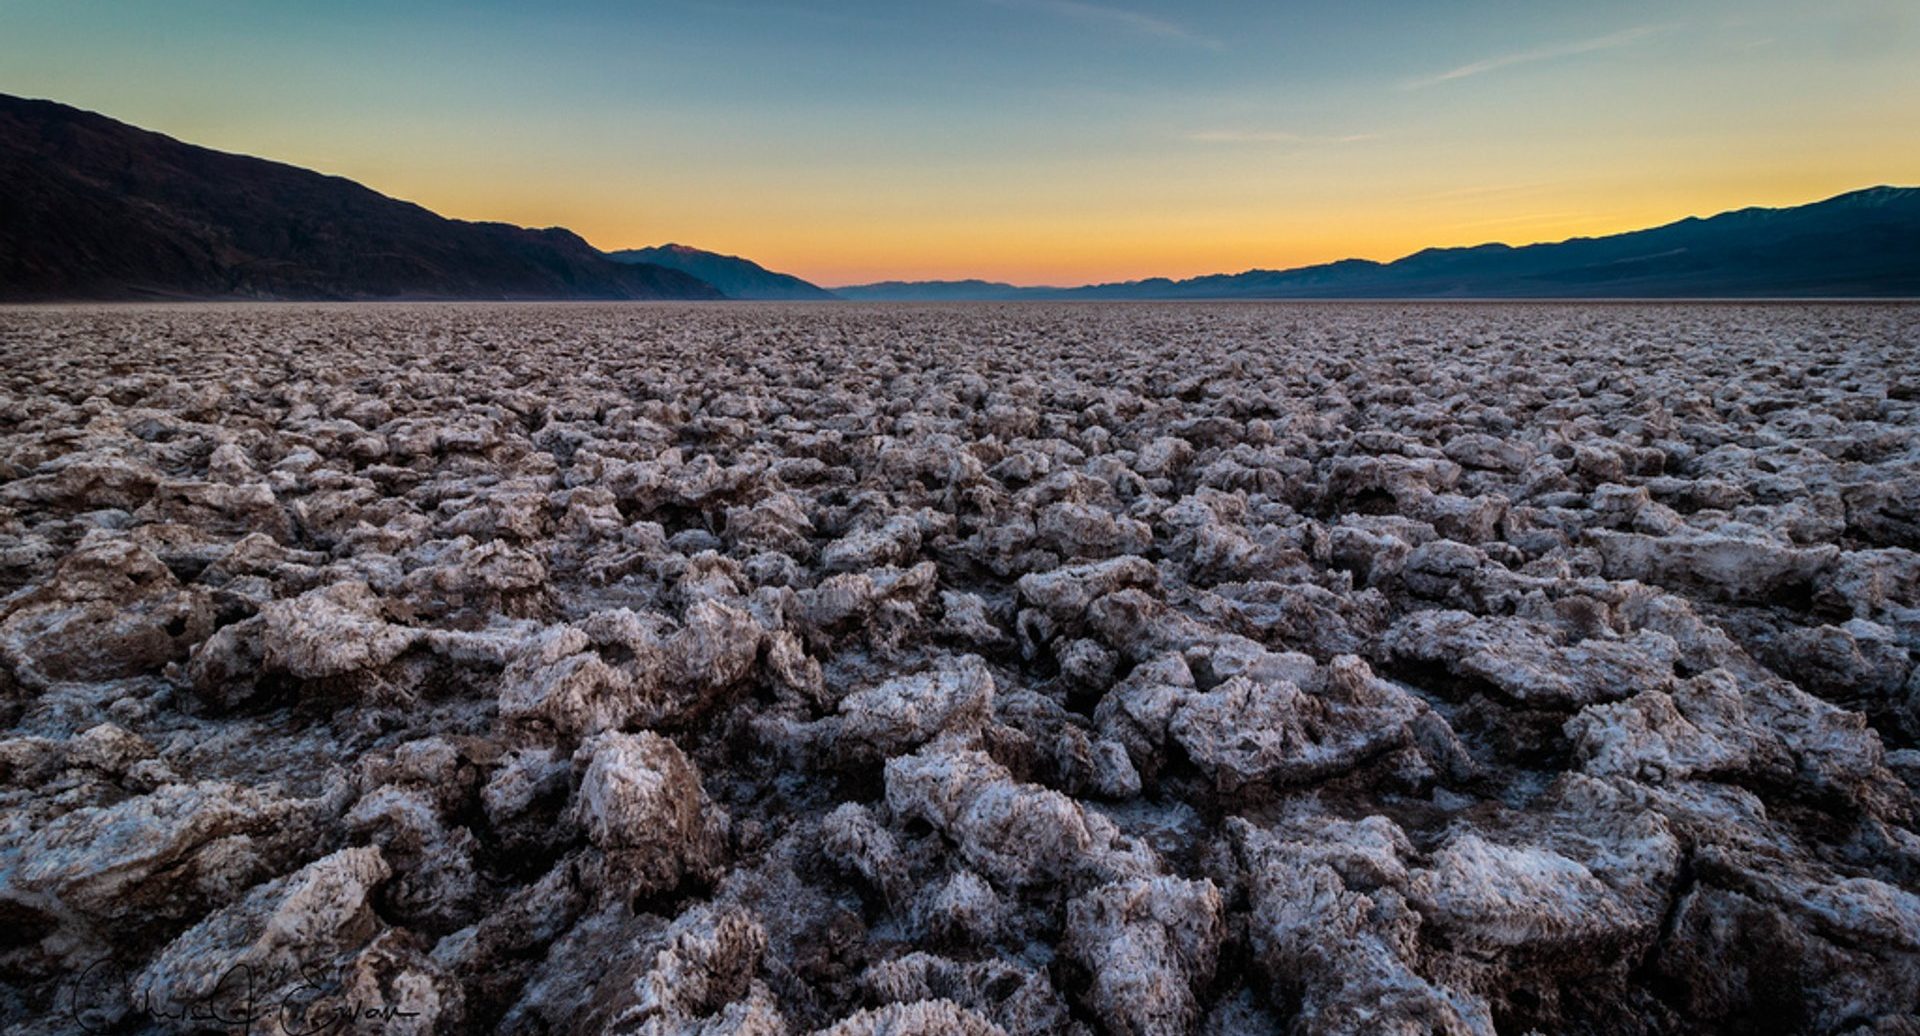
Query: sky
point(1034, 141)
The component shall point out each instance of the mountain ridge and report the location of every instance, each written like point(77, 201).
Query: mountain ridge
point(95, 209)
point(933, 291)
point(1788, 253)
point(736, 277)
point(92, 208)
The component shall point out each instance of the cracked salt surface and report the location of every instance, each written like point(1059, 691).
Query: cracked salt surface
point(989, 669)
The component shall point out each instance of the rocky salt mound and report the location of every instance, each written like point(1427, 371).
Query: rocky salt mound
point(1138, 670)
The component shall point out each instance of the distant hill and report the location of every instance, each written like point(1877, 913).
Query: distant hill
point(91, 208)
point(1865, 243)
point(738, 278)
point(941, 291)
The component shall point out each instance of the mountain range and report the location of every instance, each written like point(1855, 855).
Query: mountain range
point(92, 208)
point(1862, 244)
point(737, 278)
point(942, 291)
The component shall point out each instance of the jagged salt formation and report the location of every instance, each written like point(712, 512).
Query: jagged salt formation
point(995, 670)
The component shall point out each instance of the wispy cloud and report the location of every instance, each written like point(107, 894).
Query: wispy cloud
point(1611, 41)
point(1136, 22)
point(1233, 136)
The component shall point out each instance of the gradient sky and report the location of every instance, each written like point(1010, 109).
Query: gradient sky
point(1038, 141)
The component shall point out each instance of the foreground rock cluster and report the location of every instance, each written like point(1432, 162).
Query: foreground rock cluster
point(992, 670)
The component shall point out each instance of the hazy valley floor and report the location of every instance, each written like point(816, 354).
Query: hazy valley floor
point(1141, 669)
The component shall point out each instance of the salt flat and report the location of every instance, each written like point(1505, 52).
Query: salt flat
point(915, 669)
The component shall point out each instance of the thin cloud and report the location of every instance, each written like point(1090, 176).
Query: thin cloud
point(1228, 136)
point(1115, 17)
point(1612, 41)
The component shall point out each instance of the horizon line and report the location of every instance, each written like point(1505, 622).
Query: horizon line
point(1327, 262)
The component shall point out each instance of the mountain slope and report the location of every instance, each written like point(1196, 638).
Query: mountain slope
point(939, 291)
point(1865, 243)
point(738, 278)
point(91, 208)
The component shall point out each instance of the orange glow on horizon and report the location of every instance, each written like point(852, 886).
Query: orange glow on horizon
point(1049, 252)
point(1033, 143)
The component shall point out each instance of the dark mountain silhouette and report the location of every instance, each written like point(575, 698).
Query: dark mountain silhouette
point(91, 208)
point(1862, 244)
point(940, 291)
point(738, 278)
